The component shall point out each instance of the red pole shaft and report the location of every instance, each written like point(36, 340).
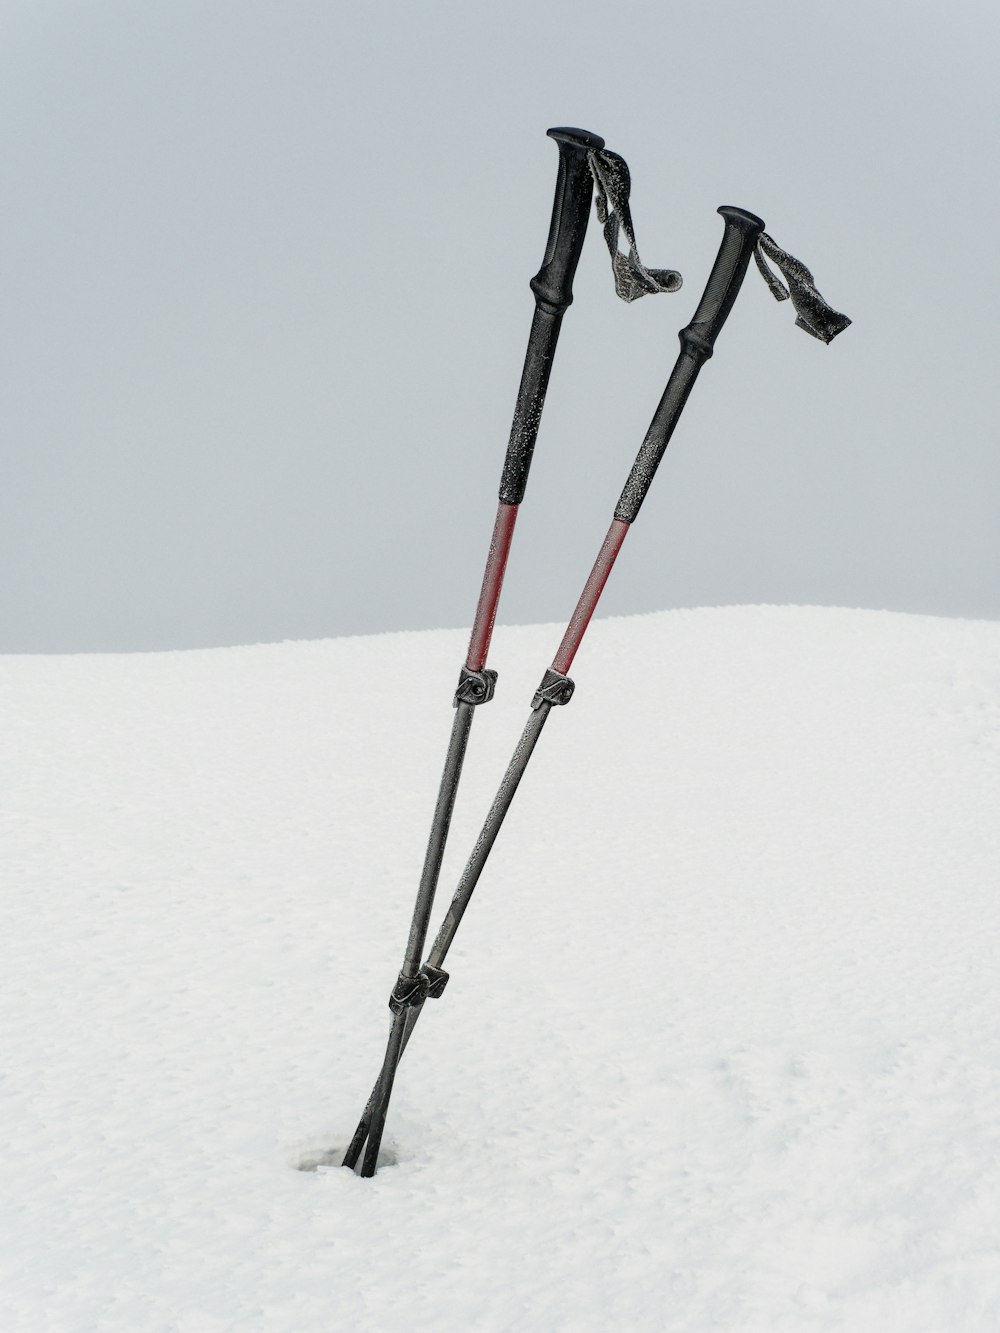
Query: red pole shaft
point(489, 597)
point(590, 596)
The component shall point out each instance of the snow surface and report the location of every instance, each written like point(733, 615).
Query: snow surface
point(720, 1049)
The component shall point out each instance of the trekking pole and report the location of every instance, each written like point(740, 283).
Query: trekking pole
point(743, 237)
point(552, 286)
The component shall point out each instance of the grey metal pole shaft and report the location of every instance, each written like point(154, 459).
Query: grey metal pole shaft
point(381, 1093)
point(372, 1122)
point(401, 1029)
point(488, 835)
point(443, 811)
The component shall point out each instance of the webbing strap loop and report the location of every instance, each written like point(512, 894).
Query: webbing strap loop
point(613, 185)
point(813, 313)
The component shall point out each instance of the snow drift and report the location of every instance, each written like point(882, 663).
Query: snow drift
point(720, 1049)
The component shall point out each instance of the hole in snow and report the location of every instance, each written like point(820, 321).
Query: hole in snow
point(323, 1157)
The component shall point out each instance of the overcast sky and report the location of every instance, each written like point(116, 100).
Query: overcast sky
point(264, 276)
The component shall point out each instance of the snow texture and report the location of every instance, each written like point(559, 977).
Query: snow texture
point(720, 1049)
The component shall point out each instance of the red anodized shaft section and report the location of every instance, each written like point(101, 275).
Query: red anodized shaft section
point(489, 597)
point(590, 596)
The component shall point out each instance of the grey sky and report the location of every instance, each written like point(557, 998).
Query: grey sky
point(264, 273)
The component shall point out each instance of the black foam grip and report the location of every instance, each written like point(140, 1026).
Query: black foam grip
point(553, 289)
point(553, 283)
point(739, 239)
point(697, 344)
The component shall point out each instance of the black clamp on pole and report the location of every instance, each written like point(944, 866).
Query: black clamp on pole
point(554, 689)
point(475, 687)
point(410, 992)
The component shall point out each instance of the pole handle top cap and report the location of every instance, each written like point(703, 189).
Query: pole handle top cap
point(742, 218)
point(581, 138)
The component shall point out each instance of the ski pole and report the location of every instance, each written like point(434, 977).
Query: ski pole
point(743, 237)
point(552, 286)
